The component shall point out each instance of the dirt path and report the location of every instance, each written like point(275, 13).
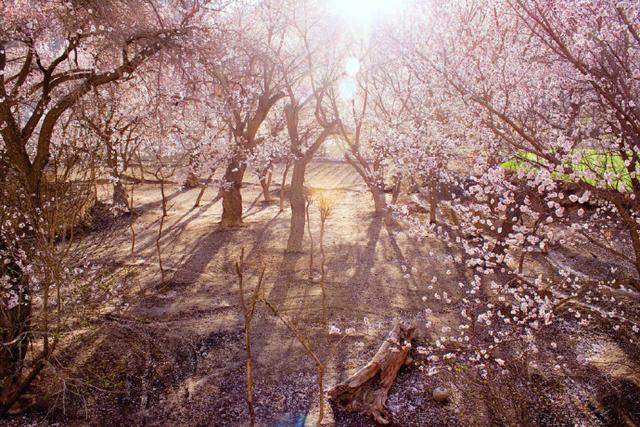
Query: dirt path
point(176, 355)
point(194, 318)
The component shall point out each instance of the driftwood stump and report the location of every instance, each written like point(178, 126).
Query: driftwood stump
point(366, 391)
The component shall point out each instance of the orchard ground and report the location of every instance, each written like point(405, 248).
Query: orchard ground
point(173, 353)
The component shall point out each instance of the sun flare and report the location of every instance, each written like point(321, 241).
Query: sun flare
point(365, 11)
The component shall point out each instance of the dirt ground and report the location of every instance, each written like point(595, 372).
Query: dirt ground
point(172, 354)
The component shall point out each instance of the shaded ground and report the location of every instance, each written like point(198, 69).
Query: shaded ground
point(175, 355)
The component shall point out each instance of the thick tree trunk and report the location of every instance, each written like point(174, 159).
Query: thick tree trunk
point(231, 196)
point(366, 391)
point(296, 233)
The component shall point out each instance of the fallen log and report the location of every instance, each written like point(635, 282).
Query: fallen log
point(367, 390)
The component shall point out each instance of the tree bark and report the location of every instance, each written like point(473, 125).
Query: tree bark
point(191, 181)
point(120, 197)
point(15, 328)
point(377, 193)
point(366, 391)
point(379, 199)
point(297, 199)
point(388, 217)
point(231, 196)
point(284, 181)
point(203, 189)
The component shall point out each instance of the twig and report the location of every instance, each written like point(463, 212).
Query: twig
point(247, 313)
point(308, 350)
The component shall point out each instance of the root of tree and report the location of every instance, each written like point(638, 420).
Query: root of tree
point(367, 390)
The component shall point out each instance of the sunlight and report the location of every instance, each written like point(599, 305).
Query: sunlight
point(352, 67)
point(347, 88)
point(365, 11)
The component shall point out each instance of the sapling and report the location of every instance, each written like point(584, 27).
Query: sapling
point(325, 205)
point(308, 349)
point(248, 310)
point(308, 203)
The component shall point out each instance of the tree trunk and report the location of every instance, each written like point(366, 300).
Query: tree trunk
point(379, 199)
point(323, 274)
point(203, 189)
point(163, 198)
point(16, 338)
point(388, 218)
point(191, 181)
point(284, 181)
point(120, 197)
point(265, 183)
point(231, 196)
point(366, 391)
point(296, 233)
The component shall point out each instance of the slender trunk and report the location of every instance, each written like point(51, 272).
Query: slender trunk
point(309, 350)
point(521, 261)
point(158, 247)
point(247, 343)
point(203, 189)
point(164, 198)
point(284, 180)
point(131, 218)
point(296, 233)
point(377, 193)
point(308, 204)
point(322, 272)
point(231, 196)
point(265, 183)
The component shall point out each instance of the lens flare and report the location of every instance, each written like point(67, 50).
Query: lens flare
point(365, 11)
point(352, 67)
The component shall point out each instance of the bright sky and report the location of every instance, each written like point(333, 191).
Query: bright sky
point(348, 86)
point(360, 14)
point(365, 11)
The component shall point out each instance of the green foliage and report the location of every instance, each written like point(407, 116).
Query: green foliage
point(600, 162)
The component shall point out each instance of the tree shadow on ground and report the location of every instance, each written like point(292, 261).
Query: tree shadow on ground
point(178, 226)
